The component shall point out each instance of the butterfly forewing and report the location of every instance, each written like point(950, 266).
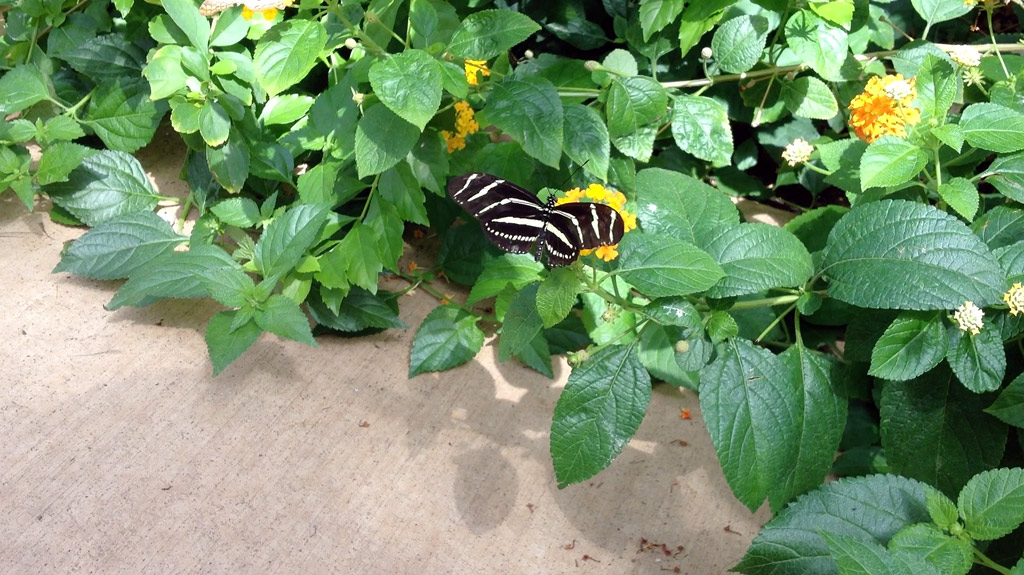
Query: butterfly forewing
point(514, 219)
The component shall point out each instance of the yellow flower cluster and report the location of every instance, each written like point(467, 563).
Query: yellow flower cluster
point(615, 199)
point(474, 66)
point(884, 108)
point(268, 8)
point(465, 124)
point(1015, 299)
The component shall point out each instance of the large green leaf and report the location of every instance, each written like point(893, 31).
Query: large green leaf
point(107, 58)
point(521, 323)
point(935, 11)
point(890, 161)
point(117, 247)
point(123, 115)
point(357, 311)
point(410, 84)
point(59, 160)
point(809, 97)
point(173, 274)
point(912, 344)
point(934, 430)
point(447, 337)
point(1009, 406)
point(517, 270)
point(107, 184)
point(872, 508)
point(633, 103)
point(287, 52)
point(701, 128)
point(660, 265)
point(225, 341)
point(185, 15)
point(230, 162)
point(599, 410)
point(737, 44)
point(937, 84)
point(821, 44)
point(556, 295)
point(896, 254)
point(382, 140)
point(285, 240)
point(487, 33)
point(681, 206)
point(854, 555)
point(756, 257)
point(586, 139)
point(993, 127)
point(751, 406)
point(656, 14)
point(22, 87)
point(530, 111)
point(992, 503)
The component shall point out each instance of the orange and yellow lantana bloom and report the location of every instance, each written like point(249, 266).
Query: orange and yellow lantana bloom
point(884, 108)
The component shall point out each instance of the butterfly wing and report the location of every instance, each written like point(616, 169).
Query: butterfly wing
point(581, 226)
point(510, 216)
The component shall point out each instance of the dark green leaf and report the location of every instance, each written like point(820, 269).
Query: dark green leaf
point(123, 115)
point(756, 257)
point(22, 87)
point(447, 337)
point(809, 97)
point(521, 324)
point(656, 14)
point(586, 139)
point(530, 111)
point(382, 140)
point(677, 205)
point(556, 295)
point(173, 274)
point(979, 361)
point(737, 44)
point(117, 247)
point(107, 58)
point(701, 128)
point(993, 127)
point(517, 270)
point(912, 344)
point(409, 84)
point(107, 184)
point(230, 163)
point(1009, 406)
point(487, 33)
point(226, 344)
point(359, 310)
point(665, 266)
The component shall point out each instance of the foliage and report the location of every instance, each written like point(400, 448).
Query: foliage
point(321, 136)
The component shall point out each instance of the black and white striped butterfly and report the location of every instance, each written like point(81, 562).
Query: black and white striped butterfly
point(515, 220)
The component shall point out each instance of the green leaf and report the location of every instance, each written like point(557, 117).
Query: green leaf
point(756, 257)
point(382, 140)
point(22, 87)
point(935, 11)
point(992, 503)
point(229, 286)
point(556, 295)
point(999, 227)
point(821, 417)
point(873, 508)
point(107, 184)
point(172, 274)
point(633, 103)
point(664, 266)
point(979, 361)
point(890, 161)
point(1009, 406)
point(586, 140)
point(751, 408)
point(598, 412)
point(487, 33)
point(362, 256)
point(285, 240)
point(107, 58)
point(225, 343)
point(820, 44)
point(517, 270)
point(287, 52)
point(698, 18)
point(285, 109)
point(933, 429)
point(895, 254)
point(447, 337)
point(673, 310)
point(229, 163)
point(282, 316)
point(857, 557)
point(839, 12)
point(993, 127)
point(123, 115)
point(737, 44)
point(809, 97)
point(359, 310)
point(941, 509)
point(214, 123)
point(656, 14)
point(674, 204)
point(410, 84)
point(656, 350)
point(1006, 173)
point(117, 247)
point(937, 84)
point(961, 195)
point(521, 324)
point(701, 128)
point(912, 344)
point(164, 72)
point(537, 356)
point(240, 212)
point(530, 111)
point(952, 555)
point(58, 161)
point(196, 27)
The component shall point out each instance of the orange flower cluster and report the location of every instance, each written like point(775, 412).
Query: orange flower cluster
point(599, 194)
point(884, 108)
point(465, 124)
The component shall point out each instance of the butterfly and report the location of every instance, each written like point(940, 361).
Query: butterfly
point(516, 221)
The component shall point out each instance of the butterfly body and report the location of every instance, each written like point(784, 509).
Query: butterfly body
point(516, 221)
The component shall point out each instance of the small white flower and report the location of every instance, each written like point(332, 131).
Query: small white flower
point(898, 90)
point(965, 56)
point(797, 152)
point(706, 53)
point(968, 318)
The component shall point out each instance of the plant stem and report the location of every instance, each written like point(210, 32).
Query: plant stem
point(981, 559)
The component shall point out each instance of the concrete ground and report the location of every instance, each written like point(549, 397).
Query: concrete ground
point(121, 454)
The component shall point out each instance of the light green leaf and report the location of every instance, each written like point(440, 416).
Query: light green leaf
point(757, 257)
point(890, 161)
point(363, 256)
point(382, 140)
point(410, 84)
point(854, 556)
point(656, 14)
point(487, 33)
point(656, 350)
point(935, 11)
point(933, 429)
point(447, 337)
point(521, 324)
point(809, 97)
point(517, 270)
point(751, 407)
point(992, 503)
point(22, 87)
point(556, 295)
point(737, 44)
point(979, 361)
point(895, 254)
point(530, 111)
point(822, 45)
point(951, 135)
point(58, 160)
point(287, 52)
point(240, 212)
point(633, 103)
point(954, 556)
point(282, 316)
point(186, 15)
point(173, 274)
point(598, 412)
point(937, 83)
point(285, 109)
point(120, 245)
point(226, 343)
point(664, 266)
point(962, 196)
point(285, 240)
point(993, 127)
point(107, 184)
point(912, 344)
point(839, 12)
point(701, 128)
